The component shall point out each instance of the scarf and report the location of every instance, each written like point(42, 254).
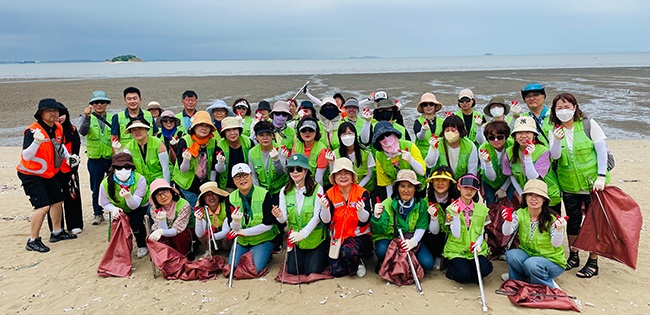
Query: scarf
point(198, 143)
point(169, 133)
point(125, 184)
point(246, 205)
point(405, 207)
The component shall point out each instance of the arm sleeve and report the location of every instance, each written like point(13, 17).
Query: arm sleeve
point(556, 148)
point(30, 152)
point(103, 200)
point(417, 129)
point(434, 226)
point(283, 206)
point(314, 99)
point(389, 190)
point(601, 154)
point(164, 163)
point(225, 228)
point(506, 183)
point(325, 214)
point(472, 164)
point(170, 232)
point(432, 157)
point(531, 172)
point(365, 132)
point(516, 184)
point(480, 137)
point(136, 197)
point(455, 226)
point(278, 165)
point(200, 227)
point(510, 227)
point(84, 127)
point(320, 172)
point(556, 237)
point(417, 163)
point(489, 170)
point(364, 102)
point(417, 236)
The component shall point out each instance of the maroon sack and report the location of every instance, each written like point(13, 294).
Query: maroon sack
point(537, 296)
point(175, 266)
point(293, 279)
point(245, 268)
point(117, 258)
point(395, 267)
point(612, 226)
point(497, 242)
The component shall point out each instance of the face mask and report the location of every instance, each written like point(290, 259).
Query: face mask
point(329, 112)
point(496, 111)
point(279, 120)
point(452, 136)
point(384, 115)
point(123, 174)
point(390, 144)
point(347, 140)
point(565, 115)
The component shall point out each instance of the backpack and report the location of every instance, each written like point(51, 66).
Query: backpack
point(586, 124)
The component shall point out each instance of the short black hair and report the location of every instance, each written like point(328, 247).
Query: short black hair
point(339, 96)
point(132, 89)
point(454, 121)
point(263, 125)
point(189, 93)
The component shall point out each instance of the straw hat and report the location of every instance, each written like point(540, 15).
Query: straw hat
point(525, 123)
point(153, 105)
point(537, 187)
point(343, 164)
point(201, 117)
point(137, 124)
point(494, 101)
point(406, 176)
point(428, 98)
point(211, 187)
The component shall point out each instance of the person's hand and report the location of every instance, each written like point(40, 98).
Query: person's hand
point(530, 148)
point(398, 104)
point(448, 114)
point(295, 237)
point(39, 137)
point(324, 203)
point(379, 209)
point(161, 215)
point(433, 142)
point(406, 155)
point(454, 208)
point(426, 126)
point(407, 245)
point(366, 115)
point(506, 213)
point(302, 113)
point(117, 146)
point(73, 160)
point(276, 211)
point(599, 184)
point(88, 110)
point(478, 120)
point(305, 89)
point(155, 235)
point(274, 154)
point(330, 156)
point(515, 108)
point(221, 158)
point(237, 215)
point(173, 141)
point(474, 246)
point(500, 193)
point(115, 213)
point(560, 223)
point(198, 213)
point(258, 117)
point(484, 155)
point(558, 133)
point(187, 156)
point(285, 152)
point(232, 234)
point(433, 210)
point(361, 204)
point(125, 193)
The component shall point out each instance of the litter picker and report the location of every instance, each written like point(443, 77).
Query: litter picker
point(410, 260)
point(232, 261)
point(302, 88)
point(211, 241)
point(148, 228)
point(480, 281)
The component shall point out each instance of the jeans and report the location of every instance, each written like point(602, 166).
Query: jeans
point(538, 269)
point(422, 254)
point(261, 254)
point(97, 168)
point(490, 198)
point(191, 197)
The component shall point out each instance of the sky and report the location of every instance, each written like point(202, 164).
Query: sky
point(316, 29)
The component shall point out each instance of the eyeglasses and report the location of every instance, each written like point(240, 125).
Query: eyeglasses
point(497, 137)
point(532, 94)
point(162, 192)
point(100, 103)
point(292, 169)
point(304, 130)
point(240, 176)
point(123, 167)
point(167, 120)
point(464, 100)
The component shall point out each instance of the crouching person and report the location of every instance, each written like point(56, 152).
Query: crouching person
point(173, 221)
point(211, 224)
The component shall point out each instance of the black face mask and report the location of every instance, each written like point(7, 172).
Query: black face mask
point(383, 115)
point(329, 112)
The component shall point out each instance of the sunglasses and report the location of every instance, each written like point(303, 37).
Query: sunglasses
point(99, 103)
point(497, 137)
point(124, 167)
point(307, 130)
point(292, 169)
point(428, 104)
point(532, 94)
point(464, 100)
point(281, 114)
point(241, 107)
point(167, 120)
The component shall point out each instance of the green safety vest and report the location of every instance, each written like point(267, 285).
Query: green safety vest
point(459, 247)
point(383, 228)
point(362, 170)
point(247, 126)
point(98, 142)
point(148, 166)
point(578, 170)
point(547, 125)
point(298, 221)
point(334, 140)
point(466, 146)
point(501, 178)
point(423, 145)
point(540, 243)
point(299, 147)
point(267, 177)
point(288, 139)
point(389, 168)
point(221, 217)
point(121, 202)
point(256, 218)
point(550, 178)
point(182, 125)
point(471, 133)
point(123, 120)
point(358, 124)
point(184, 180)
point(223, 144)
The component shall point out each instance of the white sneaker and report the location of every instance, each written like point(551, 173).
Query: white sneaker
point(76, 231)
point(142, 251)
point(505, 276)
point(437, 263)
point(361, 271)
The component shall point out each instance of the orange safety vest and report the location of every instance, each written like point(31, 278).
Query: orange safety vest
point(345, 222)
point(43, 162)
point(65, 167)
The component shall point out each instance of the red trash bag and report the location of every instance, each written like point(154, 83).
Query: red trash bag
point(612, 226)
point(293, 279)
point(497, 242)
point(395, 267)
point(117, 258)
point(537, 296)
point(175, 266)
point(245, 268)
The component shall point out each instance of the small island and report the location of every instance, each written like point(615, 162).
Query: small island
point(125, 58)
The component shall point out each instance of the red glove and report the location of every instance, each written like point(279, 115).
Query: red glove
point(377, 200)
point(447, 114)
point(506, 213)
point(232, 234)
point(471, 247)
point(290, 244)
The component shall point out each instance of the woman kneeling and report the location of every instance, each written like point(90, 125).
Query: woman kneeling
point(173, 217)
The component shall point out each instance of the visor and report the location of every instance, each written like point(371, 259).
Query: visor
point(469, 181)
point(441, 174)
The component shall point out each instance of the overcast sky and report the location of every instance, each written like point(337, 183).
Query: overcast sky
point(287, 29)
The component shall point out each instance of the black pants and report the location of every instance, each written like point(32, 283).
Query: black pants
point(435, 243)
point(573, 204)
point(136, 221)
point(464, 270)
point(309, 260)
point(71, 217)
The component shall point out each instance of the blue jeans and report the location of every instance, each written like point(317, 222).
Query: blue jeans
point(489, 192)
point(97, 168)
point(261, 254)
point(538, 269)
point(422, 254)
point(191, 197)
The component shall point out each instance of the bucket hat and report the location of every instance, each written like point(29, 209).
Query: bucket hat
point(210, 187)
point(496, 100)
point(524, 123)
point(231, 123)
point(153, 105)
point(343, 164)
point(383, 128)
point(406, 176)
point(122, 159)
point(428, 98)
point(537, 187)
point(220, 104)
point(167, 114)
point(201, 117)
point(46, 103)
point(280, 107)
point(99, 96)
point(264, 105)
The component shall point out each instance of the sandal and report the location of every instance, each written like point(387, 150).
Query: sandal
point(589, 270)
point(573, 261)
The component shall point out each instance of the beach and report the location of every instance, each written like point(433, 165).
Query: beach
point(65, 279)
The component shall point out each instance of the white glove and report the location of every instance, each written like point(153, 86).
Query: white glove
point(454, 209)
point(433, 142)
point(366, 115)
point(161, 216)
point(117, 146)
point(258, 117)
point(406, 156)
point(125, 193)
point(408, 245)
point(484, 155)
point(528, 152)
point(296, 237)
point(274, 154)
point(474, 246)
point(187, 156)
point(115, 213)
point(302, 113)
point(285, 152)
point(433, 211)
point(360, 205)
point(198, 213)
point(560, 224)
point(398, 104)
point(500, 193)
point(379, 209)
point(324, 203)
point(73, 160)
point(221, 158)
point(478, 120)
point(558, 133)
point(237, 216)
point(39, 137)
point(426, 126)
point(330, 156)
point(515, 108)
point(173, 141)
point(599, 184)
point(155, 235)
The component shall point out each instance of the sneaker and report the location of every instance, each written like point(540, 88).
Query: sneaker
point(277, 248)
point(37, 246)
point(142, 251)
point(505, 276)
point(361, 270)
point(76, 231)
point(437, 263)
point(61, 237)
point(99, 218)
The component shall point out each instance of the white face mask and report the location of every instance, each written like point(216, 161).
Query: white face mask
point(452, 136)
point(496, 111)
point(123, 174)
point(565, 115)
point(347, 140)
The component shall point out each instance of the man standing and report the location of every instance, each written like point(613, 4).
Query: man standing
point(96, 128)
point(132, 98)
point(189, 99)
point(42, 155)
point(534, 96)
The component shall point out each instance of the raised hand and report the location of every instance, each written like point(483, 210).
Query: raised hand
point(515, 108)
point(117, 146)
point(125, 193)
point(454, 208)
point(274, 154)
point(560, 223)
point(366, 115)
point(478, 120)
point(484, 155)
point(558, 132)
point(39, 137)
point(433, 141)
point(187, 156)
point(198, 213)
point(433, 210)
point(426, 126)
point(506, 213)
point(406, 155)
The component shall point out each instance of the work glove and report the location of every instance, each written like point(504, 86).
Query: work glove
point(125, 193)
point(599, 184)
point(221, 158)
point(474, 246)
point(295, 237)
point(500, 193)
point(361, 204)
point(161, 215)
point(173, 141)
point(407, 245)
point(406, 155)
point(454, 208)
point(302, 113)
point(530, 148)
point(426, 126)
point(73, 160)
point(274, 154)
point(330, 156)
point(187, 156)
point(484, 155)
point(506, 213)
point(117, 146)
point(515, 108)
point(232, 234)
point(433, 142)
point(39, 137)
point(285, 152)
point(155, 235)
point(478, 120)
point(560, 223)
point(237, 216)
point(433, 210)
point(558, 133)
point(115, 213)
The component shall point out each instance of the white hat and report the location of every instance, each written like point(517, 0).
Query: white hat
point(241, 168)
point(525, 123)
point(466, 93)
